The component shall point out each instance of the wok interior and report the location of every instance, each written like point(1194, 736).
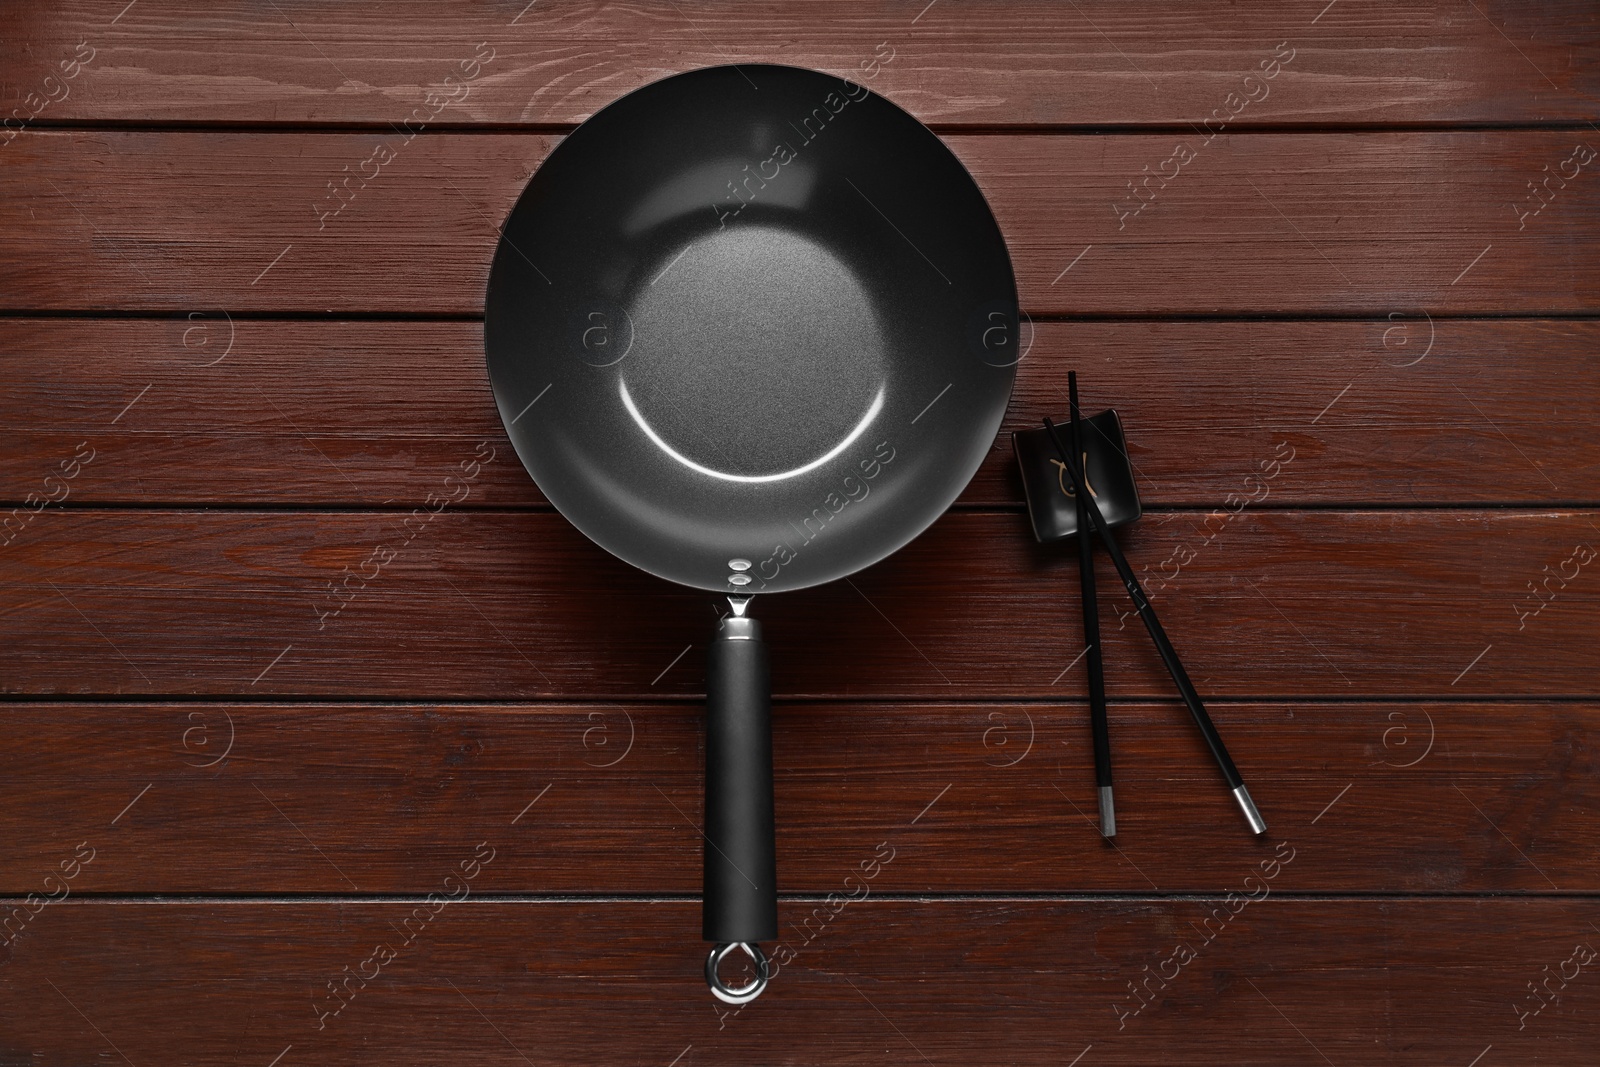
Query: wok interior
point(751, 338)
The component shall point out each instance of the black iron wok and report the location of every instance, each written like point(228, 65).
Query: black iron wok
point(750, 329)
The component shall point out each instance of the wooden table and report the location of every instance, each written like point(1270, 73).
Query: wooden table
point(328, 741)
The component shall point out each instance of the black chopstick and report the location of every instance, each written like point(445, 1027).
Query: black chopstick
point(1091, 635)
point(1169, 655)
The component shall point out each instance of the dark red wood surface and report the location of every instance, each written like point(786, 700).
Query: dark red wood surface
point(1281, 981)
point(1014, 63)
point(217, 400)
point(995, 790)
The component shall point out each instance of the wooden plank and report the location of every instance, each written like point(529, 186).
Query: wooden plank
point(520, 606)
point(1388, 411)
point(1436, 980)
point(1102, 62)
point(997, 798)
point(1370, 223)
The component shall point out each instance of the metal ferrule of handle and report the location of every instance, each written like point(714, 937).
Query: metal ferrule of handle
point(739, 628)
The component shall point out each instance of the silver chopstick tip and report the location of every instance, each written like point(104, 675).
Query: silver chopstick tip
point(1108, 813)
point(1251, 814)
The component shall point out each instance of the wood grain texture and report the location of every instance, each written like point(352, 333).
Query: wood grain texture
point(1399, 411)
point(980, 798)
point(522, 606)
point(1296, 223)
point(954, 64)
point(969, 982)
point(279, 706)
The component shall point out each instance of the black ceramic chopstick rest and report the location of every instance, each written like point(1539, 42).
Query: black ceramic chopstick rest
point(1051, 505)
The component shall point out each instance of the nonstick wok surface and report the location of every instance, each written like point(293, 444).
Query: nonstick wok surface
point(751, 328)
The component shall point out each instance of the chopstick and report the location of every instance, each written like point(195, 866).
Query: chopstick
point(1091, 635)
point(1169, 655)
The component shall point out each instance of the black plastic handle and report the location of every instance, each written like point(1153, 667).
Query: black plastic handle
point(741, 870)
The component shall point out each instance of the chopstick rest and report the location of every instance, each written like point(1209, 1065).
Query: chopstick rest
point(1052, 508)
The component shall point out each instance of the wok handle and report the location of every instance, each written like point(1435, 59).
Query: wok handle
point(740, 904)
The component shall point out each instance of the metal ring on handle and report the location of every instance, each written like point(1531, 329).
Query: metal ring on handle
point(727, 994)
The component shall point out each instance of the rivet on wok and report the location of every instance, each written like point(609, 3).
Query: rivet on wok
point(738, 565)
